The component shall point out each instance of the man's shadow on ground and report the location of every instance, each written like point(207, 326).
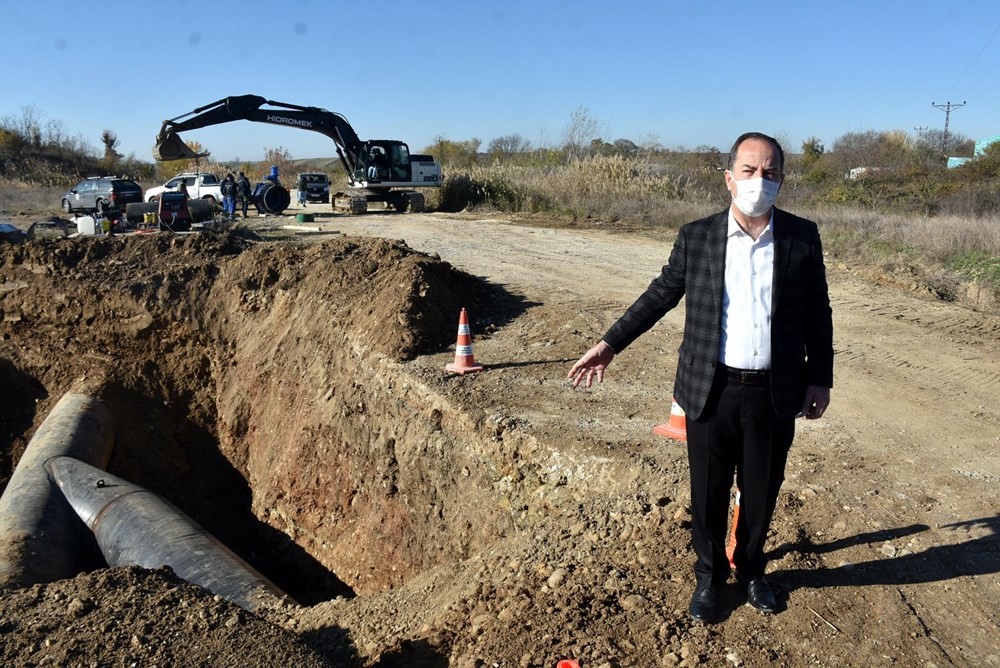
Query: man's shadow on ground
point(979, 556)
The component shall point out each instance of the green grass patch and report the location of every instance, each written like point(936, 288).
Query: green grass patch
point(977, 265)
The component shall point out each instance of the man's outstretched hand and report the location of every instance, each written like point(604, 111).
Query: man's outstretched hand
point(816, 402)
point(593, 362)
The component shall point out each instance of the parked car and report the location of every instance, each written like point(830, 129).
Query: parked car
point(100, 193)
point(317, 187)
point(201, 185)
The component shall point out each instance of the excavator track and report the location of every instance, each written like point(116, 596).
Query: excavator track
point(417, 204)
point(351, 203)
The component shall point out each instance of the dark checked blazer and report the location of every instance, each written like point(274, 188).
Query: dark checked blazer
point(801, 324)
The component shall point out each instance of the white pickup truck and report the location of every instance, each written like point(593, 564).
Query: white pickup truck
point(199, 186)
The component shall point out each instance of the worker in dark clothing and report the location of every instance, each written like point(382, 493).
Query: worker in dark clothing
point(182, 188)
point(243, 190)
point(228, 189)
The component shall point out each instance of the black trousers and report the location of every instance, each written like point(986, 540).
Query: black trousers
point(738, 433)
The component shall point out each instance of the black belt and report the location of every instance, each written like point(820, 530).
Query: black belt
point(746, 376)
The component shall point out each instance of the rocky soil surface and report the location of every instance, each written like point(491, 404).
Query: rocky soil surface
point(286, 388)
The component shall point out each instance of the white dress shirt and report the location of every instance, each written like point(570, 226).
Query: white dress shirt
point(746, 298)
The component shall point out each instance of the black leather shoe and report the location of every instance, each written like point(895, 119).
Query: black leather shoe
point(760, 596)
point(703, 604)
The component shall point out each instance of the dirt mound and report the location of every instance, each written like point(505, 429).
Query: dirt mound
point(128, 615)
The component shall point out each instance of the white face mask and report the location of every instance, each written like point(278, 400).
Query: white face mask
point(755, 196)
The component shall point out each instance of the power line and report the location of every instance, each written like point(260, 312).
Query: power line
point(973, 62)
point(947, 109)
point(983, 78)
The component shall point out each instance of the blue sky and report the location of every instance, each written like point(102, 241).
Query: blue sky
point(683, 73)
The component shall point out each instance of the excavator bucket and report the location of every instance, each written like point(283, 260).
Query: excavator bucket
point(169, 146)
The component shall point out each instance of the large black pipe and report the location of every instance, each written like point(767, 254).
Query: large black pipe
point(40, 534)
point(135, 527)
point(270, 197)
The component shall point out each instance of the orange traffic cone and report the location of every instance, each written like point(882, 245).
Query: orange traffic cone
point(731, 547)
point(676, 428)
point(464, 362)
point(568, 663)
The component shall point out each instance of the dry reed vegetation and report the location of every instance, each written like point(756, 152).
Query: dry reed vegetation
point(612, 188)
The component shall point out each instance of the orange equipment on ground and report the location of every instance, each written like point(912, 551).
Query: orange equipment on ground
point(173, 212)
point(731, 547)
point(676, 428)
point(464, 362)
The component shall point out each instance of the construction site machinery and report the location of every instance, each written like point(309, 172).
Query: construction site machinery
point(194, 211)
point(378, 170)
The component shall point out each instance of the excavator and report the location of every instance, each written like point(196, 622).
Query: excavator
point(378, 170)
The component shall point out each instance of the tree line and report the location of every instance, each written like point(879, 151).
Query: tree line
point(892, 168)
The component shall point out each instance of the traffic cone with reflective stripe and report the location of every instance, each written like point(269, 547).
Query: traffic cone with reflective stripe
point(731, 547)
point(464, 362)
point(676, 428)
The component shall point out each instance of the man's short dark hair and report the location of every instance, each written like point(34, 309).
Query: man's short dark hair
point(757, 135)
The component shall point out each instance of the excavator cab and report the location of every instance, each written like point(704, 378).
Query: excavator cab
point(383, 161)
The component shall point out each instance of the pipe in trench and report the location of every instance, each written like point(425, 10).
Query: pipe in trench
point(135, 527)
point(41, 539)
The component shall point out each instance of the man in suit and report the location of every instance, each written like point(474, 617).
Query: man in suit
point(757, 352)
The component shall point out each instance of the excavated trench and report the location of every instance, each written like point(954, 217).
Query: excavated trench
point(264, 389)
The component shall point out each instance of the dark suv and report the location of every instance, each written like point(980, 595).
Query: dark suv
point(317, 187)
point(100, 193)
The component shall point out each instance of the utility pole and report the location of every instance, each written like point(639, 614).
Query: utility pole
point(947, 109)
point(920, 130)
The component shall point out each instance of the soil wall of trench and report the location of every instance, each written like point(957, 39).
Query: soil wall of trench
point(263, 390)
